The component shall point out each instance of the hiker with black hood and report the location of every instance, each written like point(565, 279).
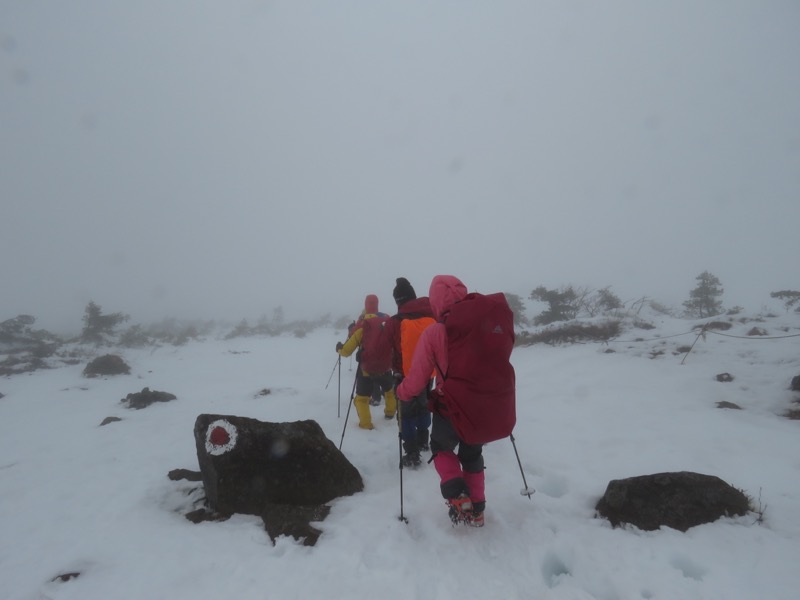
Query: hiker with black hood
point(413, 316)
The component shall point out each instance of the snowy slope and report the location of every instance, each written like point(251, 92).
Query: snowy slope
point(75, 496)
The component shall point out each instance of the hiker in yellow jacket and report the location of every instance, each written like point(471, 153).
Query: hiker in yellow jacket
point(374, 355)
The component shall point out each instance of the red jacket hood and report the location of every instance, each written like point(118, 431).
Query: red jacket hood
point(417, 306)
point(371, 304)
point(445, 291)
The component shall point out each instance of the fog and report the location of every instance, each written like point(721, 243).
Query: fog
point(220, 159)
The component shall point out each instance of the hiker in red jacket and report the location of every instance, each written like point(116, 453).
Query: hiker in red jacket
point(374, 363)
point(404, 329)
point(488, 393)
point(371, 303)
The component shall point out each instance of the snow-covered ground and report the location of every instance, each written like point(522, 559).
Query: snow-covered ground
point(78, 497)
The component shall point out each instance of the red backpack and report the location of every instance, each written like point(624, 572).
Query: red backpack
point(479, 388)
point(376, 348)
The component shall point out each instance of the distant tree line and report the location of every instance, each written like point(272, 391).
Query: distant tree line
point(568, 302)
point(565, 303)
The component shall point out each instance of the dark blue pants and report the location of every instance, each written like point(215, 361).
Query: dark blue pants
point(414, 419)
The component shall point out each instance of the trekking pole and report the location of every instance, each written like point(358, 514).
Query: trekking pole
point(347, 416)
point(400, 456)
point(526, 491)
point(339, 394)
point(699, 335)
point(338, 362)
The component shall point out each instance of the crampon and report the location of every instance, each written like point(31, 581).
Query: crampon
point(461, 512)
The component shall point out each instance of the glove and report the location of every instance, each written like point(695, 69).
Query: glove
point(434, 400)
point(339, 346)
point(408, 408)
point(398, 379)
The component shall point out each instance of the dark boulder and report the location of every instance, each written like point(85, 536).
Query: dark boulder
point(109, 364)
point(295, 521)
point(146, 397)
point(283, 472)
point(795, 385)
point(201, 515)
point(187, 474)
point(726, 404)
point(678, 500)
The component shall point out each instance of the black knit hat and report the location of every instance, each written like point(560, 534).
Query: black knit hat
point(403, 292)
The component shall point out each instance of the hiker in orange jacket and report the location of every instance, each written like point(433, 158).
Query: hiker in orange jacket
point(404, 329)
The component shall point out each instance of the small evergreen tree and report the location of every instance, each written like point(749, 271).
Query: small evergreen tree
point(97, 327)
point(242, 329)
point(134, 337)
point(517, 307)
point(564, 304)
point(788, 297)
point(16, 328)
point(704, 300)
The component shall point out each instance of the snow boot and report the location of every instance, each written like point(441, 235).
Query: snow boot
point(411, 457)
point(477, 519)
point(422, 440)
point(465, 512)
point(362, 409)
point(411, 460)
point(390, 408)
point(460, 509)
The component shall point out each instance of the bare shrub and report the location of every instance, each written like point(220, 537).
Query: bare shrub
point(572, 333)
point(714, 325)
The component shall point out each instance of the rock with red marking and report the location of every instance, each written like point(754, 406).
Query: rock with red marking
point(248, 465)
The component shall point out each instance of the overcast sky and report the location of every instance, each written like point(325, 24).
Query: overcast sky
point(209, 159)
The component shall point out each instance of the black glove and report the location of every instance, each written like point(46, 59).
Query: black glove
point(398, 379)
point(410, 408)
point(339, 346)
